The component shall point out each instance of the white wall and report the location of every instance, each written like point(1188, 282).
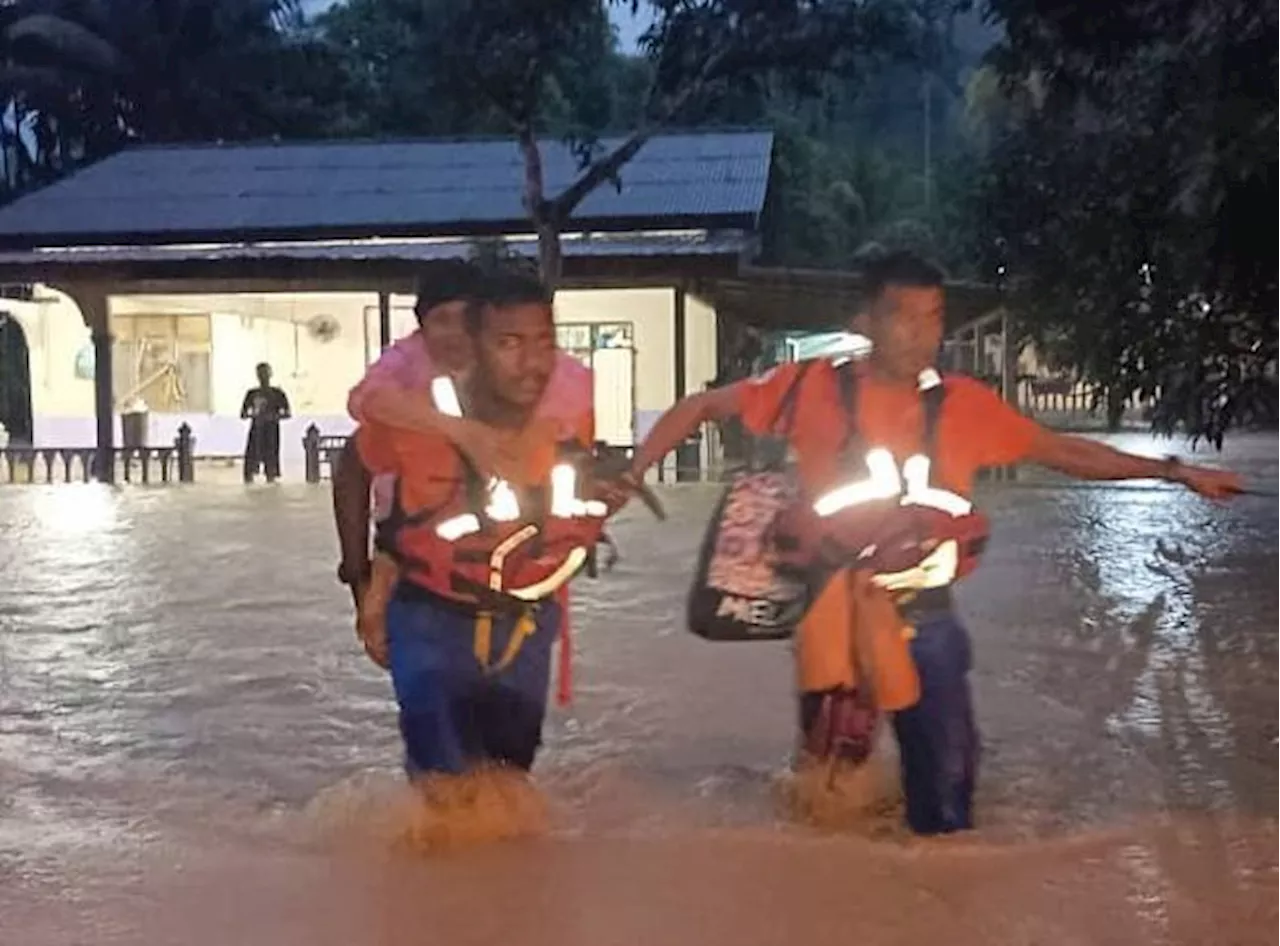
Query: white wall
point(56, 333)
point(248, 328)
point(651, 312)
point(700, 344)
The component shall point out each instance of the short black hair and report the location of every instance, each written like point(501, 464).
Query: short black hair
point(506, 287)
point(900, 268)
point(449, 280)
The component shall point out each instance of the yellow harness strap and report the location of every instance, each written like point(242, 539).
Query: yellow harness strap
point(482, 642)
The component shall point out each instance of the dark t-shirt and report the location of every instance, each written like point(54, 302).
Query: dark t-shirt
point(265, 405)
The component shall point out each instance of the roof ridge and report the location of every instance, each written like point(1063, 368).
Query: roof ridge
point(703, 131)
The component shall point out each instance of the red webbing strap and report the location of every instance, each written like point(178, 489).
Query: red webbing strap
point(564, 668)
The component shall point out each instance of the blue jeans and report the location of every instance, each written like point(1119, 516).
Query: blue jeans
point(454, 712)
point(938, 737)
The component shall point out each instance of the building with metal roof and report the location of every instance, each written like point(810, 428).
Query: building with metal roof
point(188, 264)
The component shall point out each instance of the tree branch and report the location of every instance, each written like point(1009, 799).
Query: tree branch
point(608, 166)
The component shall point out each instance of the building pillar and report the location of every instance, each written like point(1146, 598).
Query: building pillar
point(1008, 378)
point(1008, 362)
point(384, 319)
point(95, 308)
point(687, 453)
point(680, 342)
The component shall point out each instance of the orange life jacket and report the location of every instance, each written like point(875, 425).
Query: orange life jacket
point(910, 535)
point(492, 544)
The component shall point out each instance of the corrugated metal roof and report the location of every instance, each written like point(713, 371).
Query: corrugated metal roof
point(380, 188)
point(637, 245)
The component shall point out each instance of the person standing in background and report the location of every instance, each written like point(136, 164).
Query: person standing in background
point(264, 407)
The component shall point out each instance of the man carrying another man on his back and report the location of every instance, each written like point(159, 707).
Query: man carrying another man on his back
point(396, 391)
point(470, 623)
point(520, 382)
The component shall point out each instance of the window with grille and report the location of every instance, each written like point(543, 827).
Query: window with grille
point(580, 339)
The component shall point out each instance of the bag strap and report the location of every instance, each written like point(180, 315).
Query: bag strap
point(931, 407)
point(847, 382)
point(785, 415)
point(931, 401)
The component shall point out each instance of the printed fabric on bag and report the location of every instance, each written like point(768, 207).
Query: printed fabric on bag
point(743, 563)
point(738, 592)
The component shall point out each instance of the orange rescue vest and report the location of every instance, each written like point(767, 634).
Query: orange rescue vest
point(493, 545)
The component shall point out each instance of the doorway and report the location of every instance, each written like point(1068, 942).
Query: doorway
point(15, 381)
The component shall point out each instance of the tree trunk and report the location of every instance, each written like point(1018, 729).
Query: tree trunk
point(546, 222)
point(549, 259)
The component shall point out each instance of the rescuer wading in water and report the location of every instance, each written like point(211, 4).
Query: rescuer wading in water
point(472, 619)
point(396, 392)
point(973, 429)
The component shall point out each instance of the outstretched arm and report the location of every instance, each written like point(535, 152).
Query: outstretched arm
point(681, 420)
point(1001, 436)
point(1090, 460)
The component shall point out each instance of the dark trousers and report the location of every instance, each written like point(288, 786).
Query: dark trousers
point(262, 451)
point(456, 713)
point(937, 738)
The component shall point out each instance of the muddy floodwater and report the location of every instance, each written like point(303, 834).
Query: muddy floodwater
point(194, 751)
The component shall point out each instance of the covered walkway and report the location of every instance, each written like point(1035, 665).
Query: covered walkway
point(207, 223)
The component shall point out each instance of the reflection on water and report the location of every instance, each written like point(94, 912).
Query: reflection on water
point(1146, 582)
point(193, 749)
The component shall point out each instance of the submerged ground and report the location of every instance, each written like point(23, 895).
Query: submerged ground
point(186, 721)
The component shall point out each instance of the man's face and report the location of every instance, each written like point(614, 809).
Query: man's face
point(905, 328)
point(516, 353)
point(264, 375)
point(444, 329)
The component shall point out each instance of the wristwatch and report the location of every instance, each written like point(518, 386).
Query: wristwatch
point(353, 575)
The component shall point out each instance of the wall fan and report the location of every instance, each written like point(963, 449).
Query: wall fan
point(323, 328)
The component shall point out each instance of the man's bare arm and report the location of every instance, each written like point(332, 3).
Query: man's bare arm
point(1091, 460)
point(351, 485)
point(405, 409)
point(414, 410)
point(1087, 459)
point(681, 420)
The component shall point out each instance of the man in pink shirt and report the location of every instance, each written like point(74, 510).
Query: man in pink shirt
point(396, 388)
point(396, 391)
point(444, 291)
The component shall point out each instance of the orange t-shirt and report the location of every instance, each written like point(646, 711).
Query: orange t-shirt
point(976, 429)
